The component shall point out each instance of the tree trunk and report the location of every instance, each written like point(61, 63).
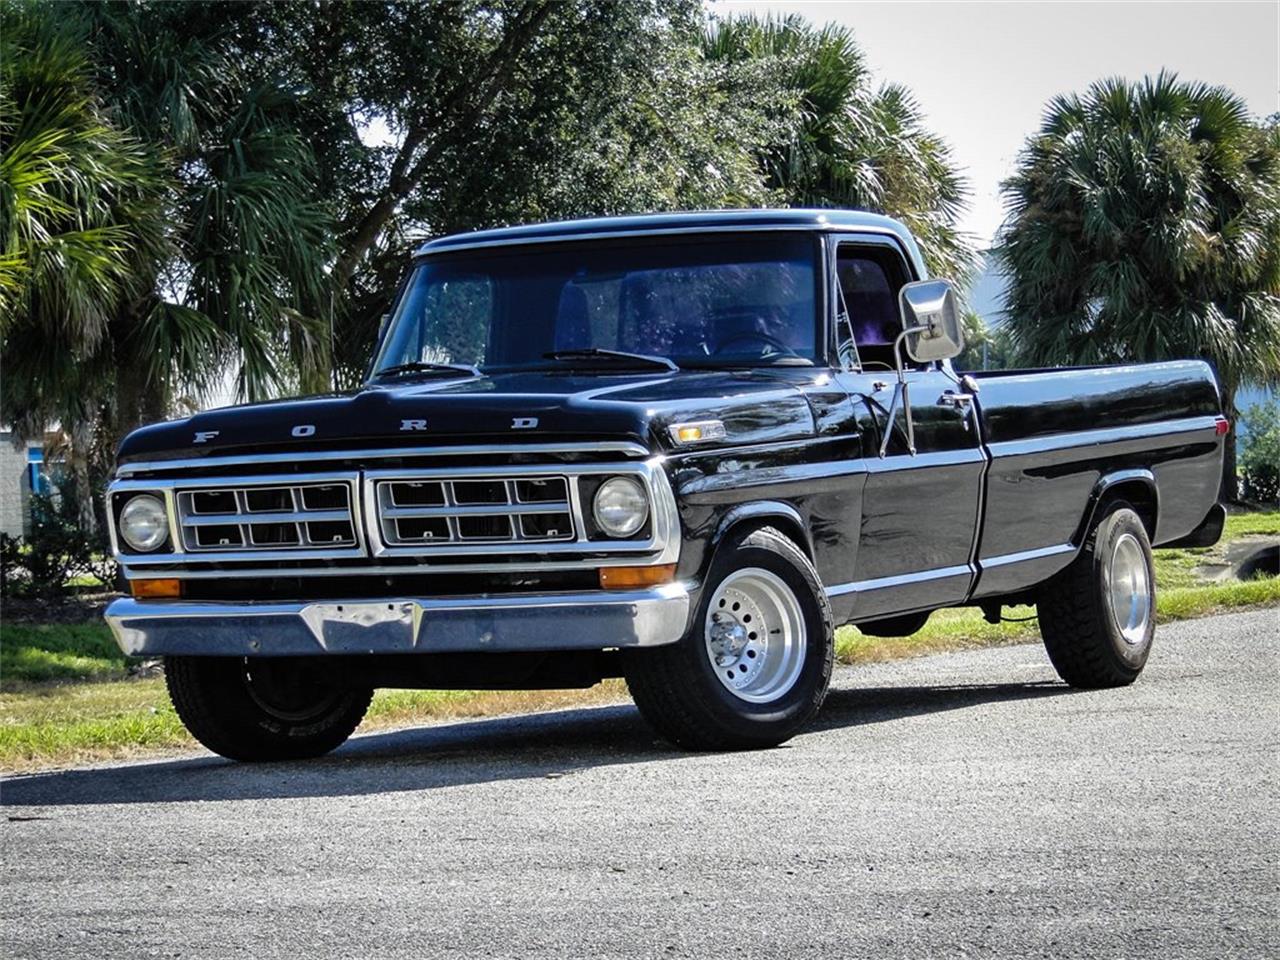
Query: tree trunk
point(463, 104)
point(78, 454)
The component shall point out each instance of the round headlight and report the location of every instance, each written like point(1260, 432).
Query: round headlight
point(144, 524)
point(620, 507)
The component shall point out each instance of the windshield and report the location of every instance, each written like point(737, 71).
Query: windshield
point(749, 300)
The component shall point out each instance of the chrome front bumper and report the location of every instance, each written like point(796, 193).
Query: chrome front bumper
point(554, 621)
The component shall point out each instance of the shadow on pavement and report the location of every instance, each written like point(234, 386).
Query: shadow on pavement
point(454, 754)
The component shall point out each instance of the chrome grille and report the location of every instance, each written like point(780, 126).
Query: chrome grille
point(280, 515)
point(461, 510)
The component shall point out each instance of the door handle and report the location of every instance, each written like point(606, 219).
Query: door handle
point(957, 400)
point(962, 402)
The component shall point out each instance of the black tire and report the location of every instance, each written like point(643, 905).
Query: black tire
point(260, 708)
point(676, 686)
point(1082, 633)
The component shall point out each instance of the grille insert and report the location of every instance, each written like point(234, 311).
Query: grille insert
point(270, 516)
point(453, 511)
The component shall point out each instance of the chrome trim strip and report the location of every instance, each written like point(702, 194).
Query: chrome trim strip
point(1103, 435)
point(517, 564)
point(473, 510)
point(381, 453)
point(1040, 553)
point(817, 227)
point(234, 519)
point(898, 580)
point(595, 620)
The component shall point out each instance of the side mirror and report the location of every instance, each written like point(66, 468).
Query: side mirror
point(931, 321)
point(930, 331)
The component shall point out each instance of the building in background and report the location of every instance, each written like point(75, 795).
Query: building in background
point(22, 472)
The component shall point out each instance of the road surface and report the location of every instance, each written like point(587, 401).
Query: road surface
point(956, 805)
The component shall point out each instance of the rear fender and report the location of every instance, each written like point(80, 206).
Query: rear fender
point(1140, 486)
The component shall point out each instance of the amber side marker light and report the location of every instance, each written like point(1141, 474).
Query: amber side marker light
point(624, 578)
point(152, 589)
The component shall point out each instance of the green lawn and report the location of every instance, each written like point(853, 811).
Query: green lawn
point(35, 653)
point(66, 695)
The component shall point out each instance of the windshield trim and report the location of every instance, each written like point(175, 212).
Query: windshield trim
point(512, 247)
point(818, 229)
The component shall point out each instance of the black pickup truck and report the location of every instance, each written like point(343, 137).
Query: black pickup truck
point(680, 449)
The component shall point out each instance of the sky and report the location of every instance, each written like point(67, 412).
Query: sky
point(982, 72)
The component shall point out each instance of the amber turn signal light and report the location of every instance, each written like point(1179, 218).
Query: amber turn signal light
point(152, 589)
point(624, 578)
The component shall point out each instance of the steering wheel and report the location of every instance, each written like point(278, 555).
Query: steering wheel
point(755, 335)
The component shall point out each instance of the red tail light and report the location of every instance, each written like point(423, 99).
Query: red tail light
point(1221, 426)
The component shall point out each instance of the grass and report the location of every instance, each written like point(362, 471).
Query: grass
point(62, 724)
point(36, 653)
point(66, 696)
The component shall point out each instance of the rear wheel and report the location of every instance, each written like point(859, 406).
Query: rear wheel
point(754, 666)
point(1098, 616)
point(260, 708)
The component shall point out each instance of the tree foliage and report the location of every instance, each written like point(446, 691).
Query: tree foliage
point(841, 141)
point(986, 347)
point(196, 190)
point(1260, 457)
point(159, 223)
point(1145, 225)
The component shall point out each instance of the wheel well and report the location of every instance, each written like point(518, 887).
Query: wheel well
point(1139, 494)
point(785, 524)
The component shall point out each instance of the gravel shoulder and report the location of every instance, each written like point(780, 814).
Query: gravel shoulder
point(949, 805)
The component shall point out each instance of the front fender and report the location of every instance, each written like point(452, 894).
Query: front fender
point(775, 513)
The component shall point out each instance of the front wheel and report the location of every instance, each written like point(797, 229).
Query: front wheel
point(260, 708)
point(1097, 617)
point(756, 661)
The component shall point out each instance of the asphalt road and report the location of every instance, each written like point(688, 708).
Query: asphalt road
point(964, 804)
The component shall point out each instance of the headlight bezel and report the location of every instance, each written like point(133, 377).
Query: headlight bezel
point(138, 501)
point(639, 519)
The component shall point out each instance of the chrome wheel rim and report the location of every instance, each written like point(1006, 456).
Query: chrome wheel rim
point(1129, 583)
point(755, 635)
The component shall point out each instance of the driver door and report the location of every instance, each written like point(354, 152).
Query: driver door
point(919, 511)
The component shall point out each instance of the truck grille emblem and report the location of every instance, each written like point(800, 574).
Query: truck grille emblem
point(413, 424)
point(204, 436)
point(524, 423)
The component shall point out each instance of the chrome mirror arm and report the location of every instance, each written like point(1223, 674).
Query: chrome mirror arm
point(903, 388)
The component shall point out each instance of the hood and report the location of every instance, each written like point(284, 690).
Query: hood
point(756, 406)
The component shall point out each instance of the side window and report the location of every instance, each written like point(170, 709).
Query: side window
point(870, 278)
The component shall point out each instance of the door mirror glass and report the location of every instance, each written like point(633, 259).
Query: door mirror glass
point(931, 320)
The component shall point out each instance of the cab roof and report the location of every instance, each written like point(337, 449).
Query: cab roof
point(687, 222)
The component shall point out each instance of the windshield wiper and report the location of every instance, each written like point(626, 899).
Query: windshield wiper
point(420, 367)
point(613, 356)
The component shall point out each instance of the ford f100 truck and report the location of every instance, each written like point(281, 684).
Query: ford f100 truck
point(679, 449)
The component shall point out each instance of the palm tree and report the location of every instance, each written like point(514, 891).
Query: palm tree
point(1144, 225)
point(81, 220)
point(842, 142)
point(255, 240)
point(159, 225)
